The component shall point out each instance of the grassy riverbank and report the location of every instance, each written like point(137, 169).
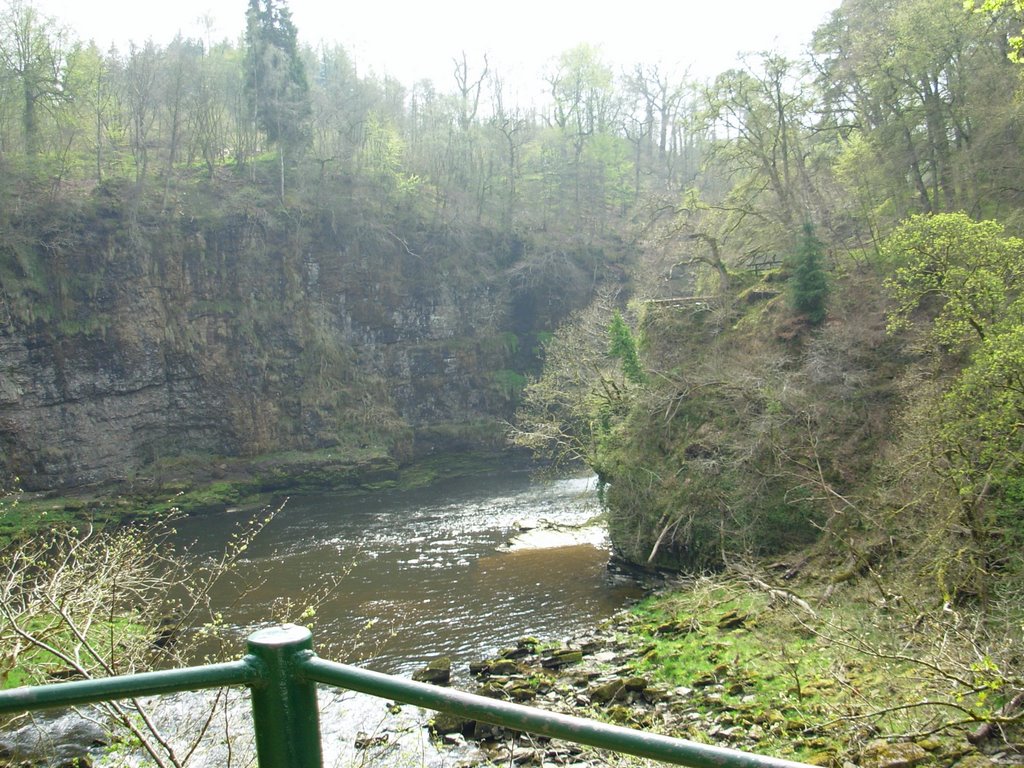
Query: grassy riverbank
point(791, 664)
point(204, 484)
point(829, 673)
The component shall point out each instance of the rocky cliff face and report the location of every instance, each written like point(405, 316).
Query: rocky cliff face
point(126, 341)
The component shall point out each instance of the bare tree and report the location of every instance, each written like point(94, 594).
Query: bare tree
point(95, 603)
point(468, 90)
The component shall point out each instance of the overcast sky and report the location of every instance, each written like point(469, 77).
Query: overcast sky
point(413, 40)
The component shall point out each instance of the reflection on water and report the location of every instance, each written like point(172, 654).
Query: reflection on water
point(419, 574)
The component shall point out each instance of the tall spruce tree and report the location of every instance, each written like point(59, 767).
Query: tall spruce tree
point(808, 285)
point(276, 83)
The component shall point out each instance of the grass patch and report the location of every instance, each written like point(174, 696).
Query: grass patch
point(766, 675)
point(22, 663)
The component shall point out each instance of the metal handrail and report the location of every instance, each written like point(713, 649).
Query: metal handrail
point(282, 671)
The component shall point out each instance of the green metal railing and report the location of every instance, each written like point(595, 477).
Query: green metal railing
point(282, 671)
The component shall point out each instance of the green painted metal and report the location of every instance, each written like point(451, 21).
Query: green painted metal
point(522, 718)
point(127, 686)
point(282, 671)
point(284, 706)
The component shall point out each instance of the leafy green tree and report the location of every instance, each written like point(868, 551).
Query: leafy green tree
point(996, 6)
point(808, 287)
point(922, 93)
point(959, 282)
point(511, 128)
point(761, 107)
point(585, 106)
point(34, 49)
point(986, 403)
point(566, 412)
point(657, 121)
point(141, 72)
point(962, 272)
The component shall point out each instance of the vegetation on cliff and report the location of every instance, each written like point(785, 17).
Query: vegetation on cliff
point(779, 313)
point(835, 362)
point(833, 385)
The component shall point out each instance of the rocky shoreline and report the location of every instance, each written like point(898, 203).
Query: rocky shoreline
point(591, 675)
point(606, 674)
point(611, 674)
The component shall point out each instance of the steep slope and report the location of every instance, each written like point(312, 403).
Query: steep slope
point(231, 325)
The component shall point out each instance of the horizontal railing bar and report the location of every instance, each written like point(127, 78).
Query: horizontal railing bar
point(242, 672)
point(533, 720)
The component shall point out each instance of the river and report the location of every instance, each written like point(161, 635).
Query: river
point(409, 576)
point(418, 573)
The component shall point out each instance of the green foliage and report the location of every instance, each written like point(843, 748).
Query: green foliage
point(622, 345)
point(960, 272)
point(986, 401)
point(779, 658)
point(808, 285)
point(910, 117)
point(36, 665)
point(958, 281)
point(693, 488)
point(732, 447)
point(510, 383)
point(995, 6)
point(506, 344)
point(567, 410)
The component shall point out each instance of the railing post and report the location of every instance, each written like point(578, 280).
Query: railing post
point(284, 706)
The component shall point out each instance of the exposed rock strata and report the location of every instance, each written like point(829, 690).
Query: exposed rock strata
point(124, 344)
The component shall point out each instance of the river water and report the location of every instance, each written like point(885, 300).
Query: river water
point(410, 576)
point(418, 573)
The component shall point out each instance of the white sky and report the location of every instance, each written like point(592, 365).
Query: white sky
point(416, 39)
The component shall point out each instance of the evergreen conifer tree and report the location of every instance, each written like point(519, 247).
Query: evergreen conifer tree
point(622, 345)
point(808, 285)
point(276, 82)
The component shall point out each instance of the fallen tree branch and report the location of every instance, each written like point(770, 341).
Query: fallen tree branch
point(1010, 712)
point(780, 594)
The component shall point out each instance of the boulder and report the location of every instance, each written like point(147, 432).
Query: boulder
point(733, 620)
point(444, 724)
point(562, 658)
point(455, 740)
point(607, 692)
point(437, 672)
point(884, 754)
point(679, 627)
point(488, 732)
point(521, 690)
point(503, 667)
point(636, 683)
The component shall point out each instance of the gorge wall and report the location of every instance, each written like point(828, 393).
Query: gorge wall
point(228, 326)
